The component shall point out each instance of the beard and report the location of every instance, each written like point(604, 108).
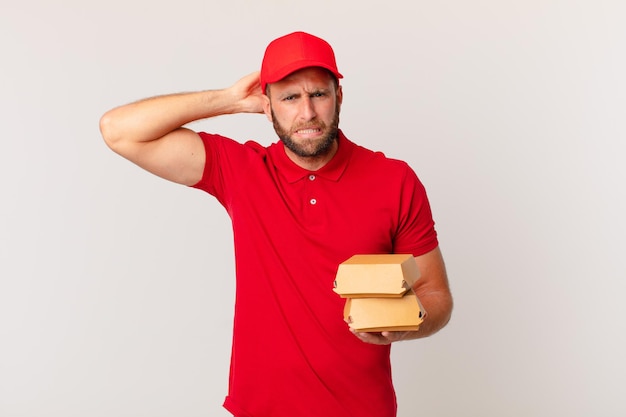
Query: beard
point(310, 148)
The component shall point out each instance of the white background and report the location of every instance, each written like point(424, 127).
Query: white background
point(116, 287)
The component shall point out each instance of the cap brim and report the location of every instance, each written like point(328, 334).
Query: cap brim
point(295, 66)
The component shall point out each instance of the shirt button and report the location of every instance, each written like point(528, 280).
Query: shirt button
point(313, 201)
point(311, 177)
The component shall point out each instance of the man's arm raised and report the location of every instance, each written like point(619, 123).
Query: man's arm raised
point(149, 132)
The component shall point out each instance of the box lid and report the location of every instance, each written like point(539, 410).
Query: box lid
point(383, 275)
point(384, 314)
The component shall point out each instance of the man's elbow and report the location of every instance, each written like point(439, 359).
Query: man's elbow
point(109, 131)
point(440, 306)
point(448, 305)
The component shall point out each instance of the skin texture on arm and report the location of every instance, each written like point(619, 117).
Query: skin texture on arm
point(149, 132)
point(433, 291)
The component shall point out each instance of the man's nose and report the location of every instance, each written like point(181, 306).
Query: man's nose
point(307, 111)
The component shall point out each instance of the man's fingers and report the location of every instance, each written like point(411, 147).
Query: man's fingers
point(373, 338)
point(383, 338)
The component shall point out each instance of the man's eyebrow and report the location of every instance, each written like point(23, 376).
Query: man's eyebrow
point(289, 94)
point(319, 90)
point(297, 94)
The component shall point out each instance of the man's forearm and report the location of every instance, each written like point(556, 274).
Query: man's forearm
point(152, 118)
point(438, 307)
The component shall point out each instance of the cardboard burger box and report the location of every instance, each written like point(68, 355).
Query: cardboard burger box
point(386, 275)
point(378, 292)
point(384, 314)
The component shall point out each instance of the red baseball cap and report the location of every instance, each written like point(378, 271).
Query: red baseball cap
point(295, 51)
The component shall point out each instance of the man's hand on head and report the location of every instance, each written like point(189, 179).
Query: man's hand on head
point(247, 93)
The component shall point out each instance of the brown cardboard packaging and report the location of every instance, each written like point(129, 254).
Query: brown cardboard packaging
point(386, 275)
point(379, 294)
point(384, 314)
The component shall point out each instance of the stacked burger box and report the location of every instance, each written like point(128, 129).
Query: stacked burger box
point(379, 292)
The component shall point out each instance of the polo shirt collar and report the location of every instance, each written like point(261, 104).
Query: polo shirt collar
point(331, 171)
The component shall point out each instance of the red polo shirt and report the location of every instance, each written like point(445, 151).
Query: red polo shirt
point(292, 353)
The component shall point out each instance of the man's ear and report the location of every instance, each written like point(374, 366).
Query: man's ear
point(339, 95)
point(267, 107)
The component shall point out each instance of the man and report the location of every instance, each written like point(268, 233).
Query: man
point(299, 208)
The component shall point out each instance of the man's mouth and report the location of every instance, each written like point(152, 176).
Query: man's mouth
point(307, 131)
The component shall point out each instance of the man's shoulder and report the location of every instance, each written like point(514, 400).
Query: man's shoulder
point(219, 142)
point(377, 157)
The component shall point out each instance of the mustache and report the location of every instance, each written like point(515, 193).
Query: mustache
point(309, 125)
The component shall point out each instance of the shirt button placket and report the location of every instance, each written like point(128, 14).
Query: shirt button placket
point(312, 201)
